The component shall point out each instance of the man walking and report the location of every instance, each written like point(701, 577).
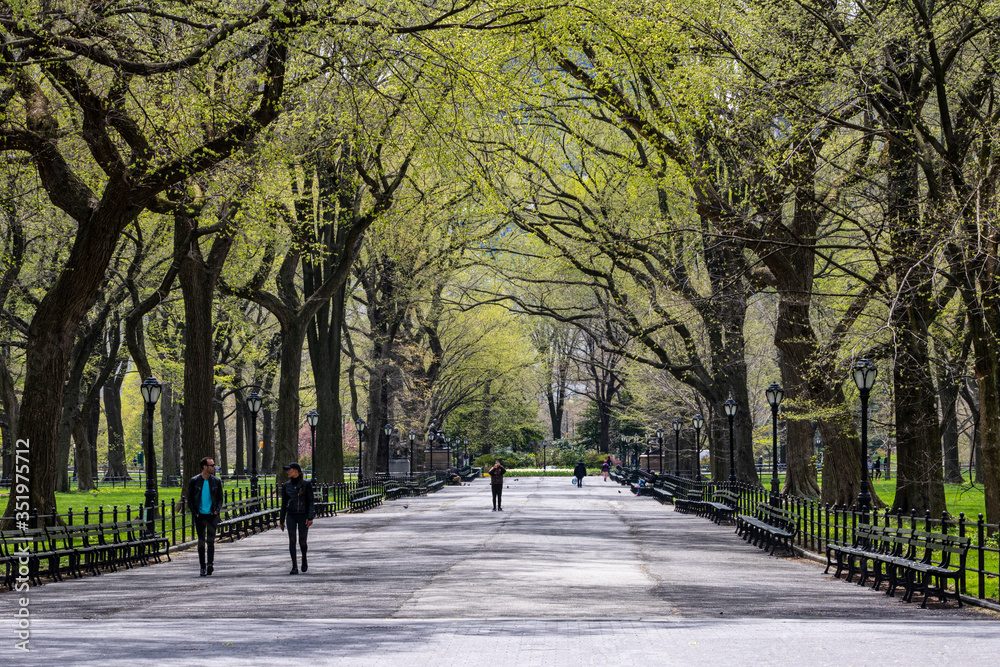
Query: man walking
point(496, 485)
point(205, 501)
point(580, 471)
point(298, 505)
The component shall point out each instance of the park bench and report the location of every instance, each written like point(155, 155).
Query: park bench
point(921, 561)
point(646, 486)
point(767, 527)
point(395, 491)
point(247, 516)
point(723, 505)
point(435, 485)
point(362, 499)
point(689, 500)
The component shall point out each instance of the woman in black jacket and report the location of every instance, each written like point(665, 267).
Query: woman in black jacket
point(297, 504)
point(580, 472)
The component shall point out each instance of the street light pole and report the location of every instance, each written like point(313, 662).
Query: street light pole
point(253, 404)
point(698, 422)
point(731, 407)
point(677, 446)
point(413, 436)
point(150, 389)
point(865, 373)
point(774, 395)
point(387, 429)
point(361, 448)
point(659, 441)
point(313, 418)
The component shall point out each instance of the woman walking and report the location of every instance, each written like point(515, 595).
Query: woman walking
point(297, 504)
point(606, 468)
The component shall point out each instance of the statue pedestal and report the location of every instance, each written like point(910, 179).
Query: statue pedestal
point(441, 459)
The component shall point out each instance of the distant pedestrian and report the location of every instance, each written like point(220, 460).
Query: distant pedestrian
point(606, 468)
point(205, 501)
point(496, 485)
point(878, 467)
point(298, 506)
point(580, 471)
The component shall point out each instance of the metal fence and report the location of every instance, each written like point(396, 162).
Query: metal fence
point(820, 524)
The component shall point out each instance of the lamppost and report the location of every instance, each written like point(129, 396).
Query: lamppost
point(865, 373)
point(649, 450)
point(543, 454)
point(387, 429)
point(430, 444)
point(150, 389)
point(413, 436)
point(313, 418)
point(361, 447)
point(731, 407)
point(774, 395)
point(677, 445)
point(698, 422)
point(465, 441)
point(659, 442)
point(253, 405)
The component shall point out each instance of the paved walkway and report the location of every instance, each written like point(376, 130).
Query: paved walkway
point(591, 576)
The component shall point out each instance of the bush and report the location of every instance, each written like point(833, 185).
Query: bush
point(508, 459)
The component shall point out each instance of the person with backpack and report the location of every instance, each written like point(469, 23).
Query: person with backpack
point(580, 471)
point(606, 468)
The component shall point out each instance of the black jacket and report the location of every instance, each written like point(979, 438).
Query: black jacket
point(214, 490)
point(580, 470)
point(297, 499)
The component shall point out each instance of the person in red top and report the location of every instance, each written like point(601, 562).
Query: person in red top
point(496, 485)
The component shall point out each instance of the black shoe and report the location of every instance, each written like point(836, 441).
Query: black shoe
point(295, 570)
point(210, 569)
point(305, 565)
point(204, 572)
point(499, 509)
point(494, 509)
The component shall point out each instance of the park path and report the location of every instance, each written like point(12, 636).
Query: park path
point(561, 576)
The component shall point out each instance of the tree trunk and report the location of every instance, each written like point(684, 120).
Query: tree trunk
point(324, 338)
point(170, 421)
point(117, 466)
point(286, 435)
point(240, 429)
point(198, 278)
point(220, 423)
point(948, 389)
point(84, 471)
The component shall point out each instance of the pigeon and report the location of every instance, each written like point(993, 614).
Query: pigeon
point(406, 506)
point(619, 490)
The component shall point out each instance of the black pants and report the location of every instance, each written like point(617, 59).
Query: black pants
point(206, 524)
point(296, 523)
point(497, 495)
point(579, 482)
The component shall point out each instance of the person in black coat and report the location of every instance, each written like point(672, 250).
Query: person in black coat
point(205, 501)
point(297, 504)
point(580, 471)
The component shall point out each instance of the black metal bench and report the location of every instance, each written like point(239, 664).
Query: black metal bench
point(362, 500)
point(689, 500)
point(246, 516)
point(394, 492)
point(921, 561)
point(768, 527)
point(723, 506)
point(435, 485)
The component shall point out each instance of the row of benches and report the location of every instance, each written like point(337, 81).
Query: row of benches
point(57, 550)
point(919, 560)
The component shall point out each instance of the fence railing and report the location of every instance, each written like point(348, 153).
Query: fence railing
point(820, 524)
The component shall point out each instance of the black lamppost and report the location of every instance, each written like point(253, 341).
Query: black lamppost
point(731, 407)
point(865, 373)
point(313, 418)
point(150, 389)
point(659, 442)
point(677, 445)
point(698, 422)
point(649, 450)
point(774, 395)
point(413, 436)
point(387, 429)
point(430, 444)
point(361, 448)
point(543, 454)
point(253, 405)
point(465, 441)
